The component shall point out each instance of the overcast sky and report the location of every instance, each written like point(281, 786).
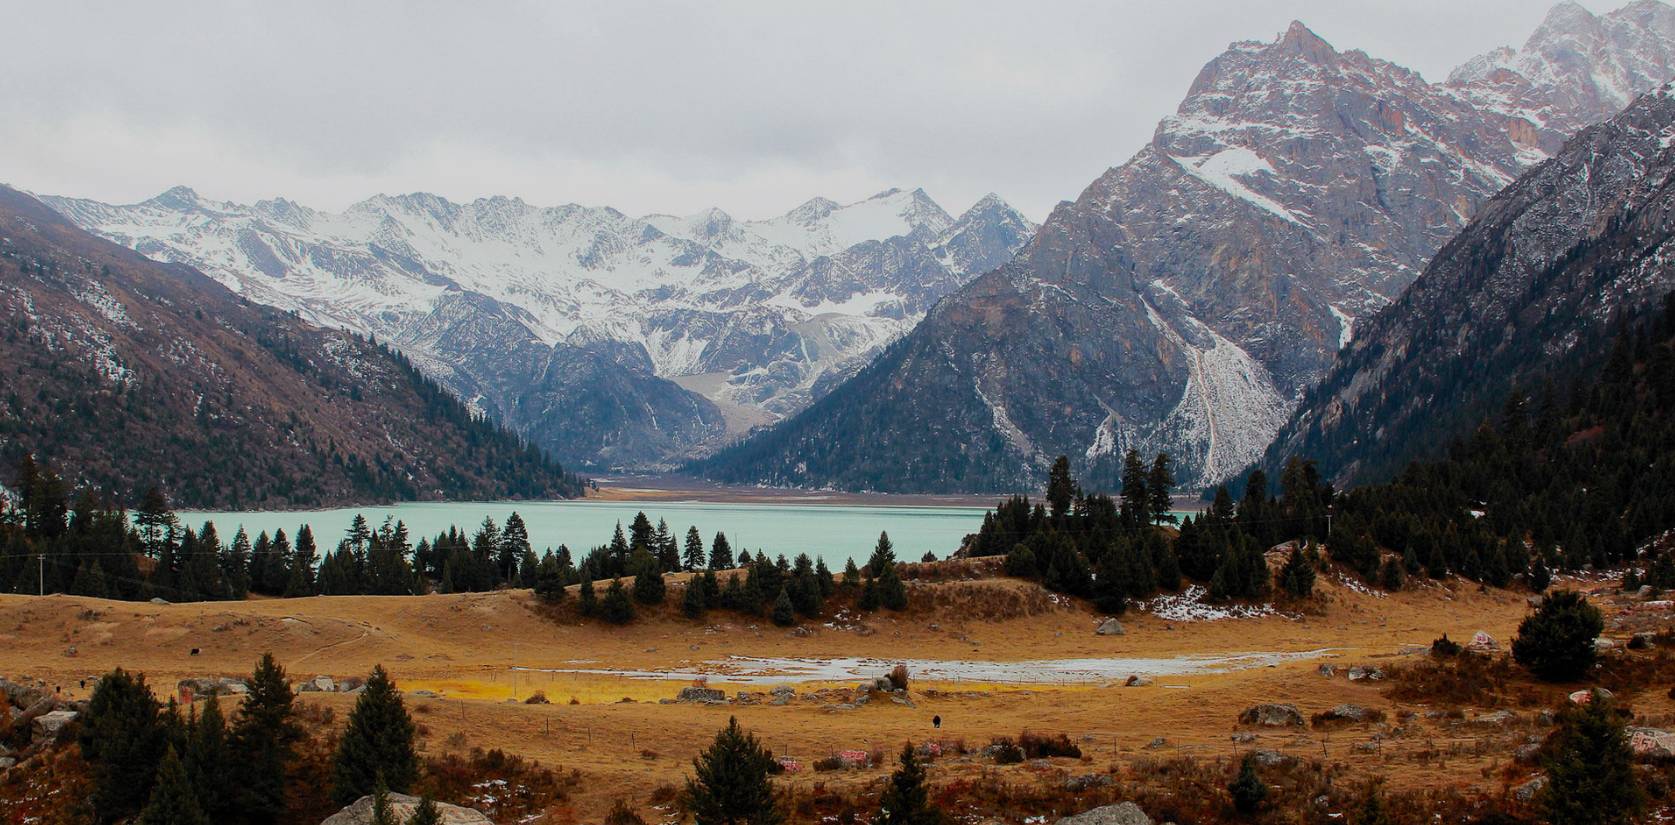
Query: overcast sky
point(648, 107)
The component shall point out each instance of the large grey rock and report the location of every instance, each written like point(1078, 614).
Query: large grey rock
point(402, 805)
point(48, 726)
point(1272, 715)
point(1122, 813)
point(704, 695)
point(1527, 791)
point(1110, 627)
point(214, 686)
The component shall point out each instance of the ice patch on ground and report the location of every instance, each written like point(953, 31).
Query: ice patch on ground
point(1192, 605)
point(762, 670)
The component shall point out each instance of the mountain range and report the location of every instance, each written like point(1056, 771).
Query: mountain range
point(1533, 291)
point(124, 373)
point(1187, 299)
point(608, 340)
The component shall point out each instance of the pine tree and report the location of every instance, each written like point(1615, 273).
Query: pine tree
point(783, 613)
point(851, 574)
point(731, 784)
point(1247, 789)
point(382, 814)
point(425, 813)
point(721, 553)
point(648, 583)
point(823, 579)
point(1372, 810)
point(1061, 488)
point(586, 602)
point(1557, 641)
point(694, 601)
point(209, 763)
point(1136, 502)
point(549, 579)
point(513, 546)
point(1590, 768)
point(378, 742)
point(883, 556)
point(906, 800)
point(693, 558)
point(615, 607)
point(264, 739)
point(173, 801)
point(121, 739)
point(870, 599)
point(1297, 576)
point(1160, 482)
point(668, 552)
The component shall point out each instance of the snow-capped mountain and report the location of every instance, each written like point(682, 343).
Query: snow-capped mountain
point(1576, 69)
point(689, 326)
point(1528, 295)
point(1187, 298)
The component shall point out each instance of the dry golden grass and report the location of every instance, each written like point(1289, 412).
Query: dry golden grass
point(465, 648)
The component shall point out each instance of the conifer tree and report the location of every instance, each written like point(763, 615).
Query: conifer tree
point(1160, 482)
point(382, 814)
point(209, 763)
point(883, 556)
point(122, 739)
point(693, 557)
point(823, 579)
point(694, 601)
point(721, 553)
point(549, 580)
point(264, 739)
point(586, 602)
point(1297, 576)
point(513, 546)
point(731, 786)
point(1136, 501)
point(870, 599)
point(648, 583)
point(1557, 641)
point(426, 813)
point(1061, 488)
point(615, 607)
point(783, 613)
point(172, 801)
point(378, 742)
point(668, 551)
point(1247, 789)
point(1590, 768)
point(906, 800)
point(851, 574)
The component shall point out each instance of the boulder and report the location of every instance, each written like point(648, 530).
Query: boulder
point(783, 690)
point(1271, 758)
point(1527, 791)
point(1110, 627)
point(1482, 642)
point(1137, 681)
point(1603, 643)
point(1088, 781)
point(1652, 743)
point(318, 684)
point(1122, 813)
point(1495, 719)
point(402, 807)
point(1327, 670)
point(6, 762)
point(1272, 715)
point(1369, 673)
point(704, 695)
point(48, 726)
point(1348, 713)
point(213, 686)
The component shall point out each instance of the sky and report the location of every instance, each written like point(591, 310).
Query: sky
point(669, 107)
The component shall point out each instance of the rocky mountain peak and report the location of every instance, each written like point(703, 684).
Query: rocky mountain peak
point(1301, 41)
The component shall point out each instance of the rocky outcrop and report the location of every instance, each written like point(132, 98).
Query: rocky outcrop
point(402, 807)
point(1122, 813)
point(1272, 715)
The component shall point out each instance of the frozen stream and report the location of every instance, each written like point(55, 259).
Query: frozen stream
point(757, 670)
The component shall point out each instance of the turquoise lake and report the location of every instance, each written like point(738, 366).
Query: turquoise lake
point(833, 532)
